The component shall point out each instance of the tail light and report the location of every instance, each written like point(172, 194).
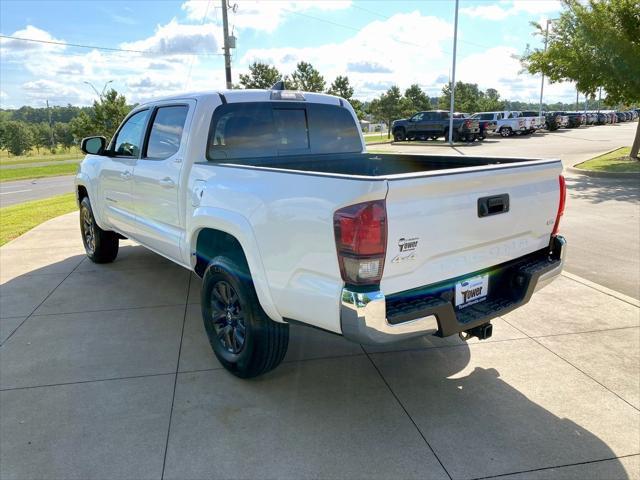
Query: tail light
point(467, 123)
point(361, 241)
point(561, 204)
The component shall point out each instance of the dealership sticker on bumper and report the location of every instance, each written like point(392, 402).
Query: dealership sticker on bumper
point(472, 290)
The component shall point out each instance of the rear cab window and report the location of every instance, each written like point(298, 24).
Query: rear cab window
point(271, 129)
point(166, 131)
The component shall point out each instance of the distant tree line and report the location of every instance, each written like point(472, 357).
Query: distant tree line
point(52, 128)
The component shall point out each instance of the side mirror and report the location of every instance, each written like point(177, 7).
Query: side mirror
point(93, 145)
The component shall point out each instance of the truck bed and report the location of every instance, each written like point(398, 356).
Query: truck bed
point(375, 164)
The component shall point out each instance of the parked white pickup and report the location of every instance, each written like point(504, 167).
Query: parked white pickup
point(271, 198)
point(509, 123)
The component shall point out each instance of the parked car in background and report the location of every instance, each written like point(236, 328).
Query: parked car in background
point(575, 119)
point(561, 119)
point(534, 120)
point(487, 127)
point(433, 124)
point(506, 124)
point(271, 198)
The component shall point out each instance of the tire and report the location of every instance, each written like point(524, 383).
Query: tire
point(100, 245)
point(506, 132)
point(399, 135)
point(244, 339)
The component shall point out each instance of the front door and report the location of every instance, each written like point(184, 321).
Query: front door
point(116, 174)
point(156, 180)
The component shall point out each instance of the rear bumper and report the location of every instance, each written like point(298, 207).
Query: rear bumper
point(371, 318)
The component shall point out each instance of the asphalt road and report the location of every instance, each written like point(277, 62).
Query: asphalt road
point(25, 190)
point(571, 145)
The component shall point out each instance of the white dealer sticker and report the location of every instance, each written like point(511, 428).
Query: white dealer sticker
point(472, 290)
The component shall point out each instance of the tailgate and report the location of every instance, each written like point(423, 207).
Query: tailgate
point(438, 227)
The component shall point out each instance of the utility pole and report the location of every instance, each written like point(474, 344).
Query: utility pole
point(577, 101)
point(227, 48)
point(453, 74)
point(546, 40)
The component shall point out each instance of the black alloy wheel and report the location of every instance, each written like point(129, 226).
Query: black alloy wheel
point(228, 317)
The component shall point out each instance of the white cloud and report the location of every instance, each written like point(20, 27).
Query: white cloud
point(39, 91)
point(258, 14)
point(383, 53)
point(13, 48)
point(504, 9)
point(176, 38)
point(499, 68)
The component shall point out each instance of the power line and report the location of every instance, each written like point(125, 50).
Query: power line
point(110, 49)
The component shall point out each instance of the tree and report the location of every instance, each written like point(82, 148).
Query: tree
point(416, 99)
point(18, 138)
point(104, 117)
point(467, 98)
point(490, 101)
point(358, 107)
point(594, 45)
point(63, 135)
point(261, 75)
point(41, 133)
point(388, 107)
point(341, 88)
point(307, 78)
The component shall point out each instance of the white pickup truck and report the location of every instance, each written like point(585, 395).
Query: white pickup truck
point(271, 198)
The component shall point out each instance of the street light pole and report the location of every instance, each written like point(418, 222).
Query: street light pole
point(546, 39)
point(227, 53)
point(452, 88)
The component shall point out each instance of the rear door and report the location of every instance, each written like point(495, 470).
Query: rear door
point(156, 179)
point(438, 227)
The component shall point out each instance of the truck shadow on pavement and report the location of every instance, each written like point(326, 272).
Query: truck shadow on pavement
point(373, 413)
point(597, 189)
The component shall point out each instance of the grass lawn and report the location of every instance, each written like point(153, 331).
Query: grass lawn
point(376, 138)
point(17, 219)
point(616, 161)
point(8, 174)
point(33, 157)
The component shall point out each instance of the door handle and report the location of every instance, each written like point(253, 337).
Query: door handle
point(167, 183)
point(488, 206)
point(126, 175)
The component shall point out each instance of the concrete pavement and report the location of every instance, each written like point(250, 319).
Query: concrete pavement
point(106, 372)
point(20, 191)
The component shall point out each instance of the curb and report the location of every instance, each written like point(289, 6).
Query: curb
point(598, 174)
point(607, 291)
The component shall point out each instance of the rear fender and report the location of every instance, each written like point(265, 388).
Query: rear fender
point(239, 227)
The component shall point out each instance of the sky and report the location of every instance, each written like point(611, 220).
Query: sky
point(176, 46)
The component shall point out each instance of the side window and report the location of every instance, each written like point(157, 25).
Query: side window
point(166, 132)
point(129, 138)
point(418, 117)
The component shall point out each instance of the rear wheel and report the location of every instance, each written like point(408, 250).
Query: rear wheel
point(100, 245)
point(244, 339)
point(506, 131)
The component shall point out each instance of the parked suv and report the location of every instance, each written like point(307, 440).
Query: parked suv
point(433, 124)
